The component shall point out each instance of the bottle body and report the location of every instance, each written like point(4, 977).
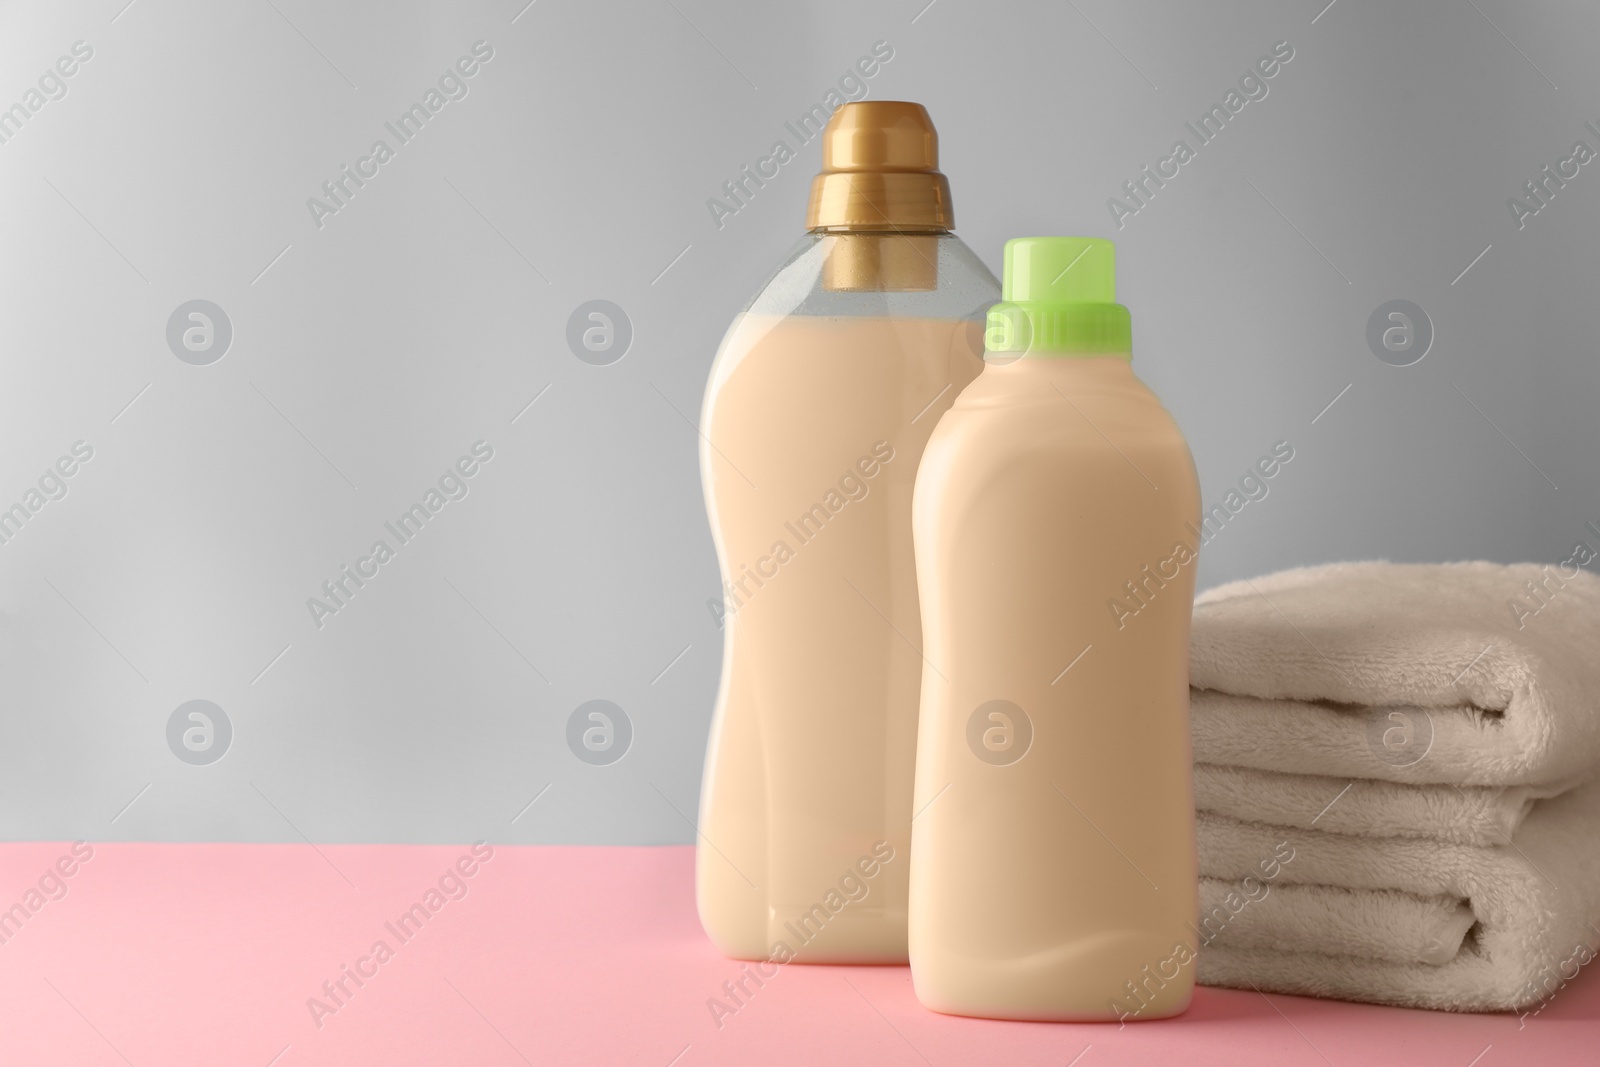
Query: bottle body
point(1053, 865)
point(821, 399)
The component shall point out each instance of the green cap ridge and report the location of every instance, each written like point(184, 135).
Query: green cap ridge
point(1058, 299)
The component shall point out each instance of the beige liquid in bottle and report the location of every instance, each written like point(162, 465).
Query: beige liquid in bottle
point(1053, 859)
point(813, 448)
point(820, 402)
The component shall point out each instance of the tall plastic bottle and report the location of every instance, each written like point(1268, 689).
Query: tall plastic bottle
point(1053, 856)
point(820, 402)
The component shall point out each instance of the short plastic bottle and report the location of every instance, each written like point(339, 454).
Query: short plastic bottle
point(1053, 870)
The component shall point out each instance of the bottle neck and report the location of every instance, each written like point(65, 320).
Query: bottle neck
point(881, 261)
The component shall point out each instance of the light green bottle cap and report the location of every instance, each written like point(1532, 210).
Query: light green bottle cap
point(1058, 299)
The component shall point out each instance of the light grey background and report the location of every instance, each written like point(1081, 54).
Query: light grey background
point(369, 354)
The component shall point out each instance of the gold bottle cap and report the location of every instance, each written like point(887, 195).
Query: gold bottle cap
point(880, 172)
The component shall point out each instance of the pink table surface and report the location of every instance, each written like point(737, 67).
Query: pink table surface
point(170, 955)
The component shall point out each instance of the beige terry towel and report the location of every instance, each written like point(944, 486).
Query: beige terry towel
point(1374, 924)
point(1467, 815)
point(1422, 673)
point(1423, 738)
point(1534, 908)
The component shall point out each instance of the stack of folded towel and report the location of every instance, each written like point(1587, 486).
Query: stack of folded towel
point(1396, 777)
